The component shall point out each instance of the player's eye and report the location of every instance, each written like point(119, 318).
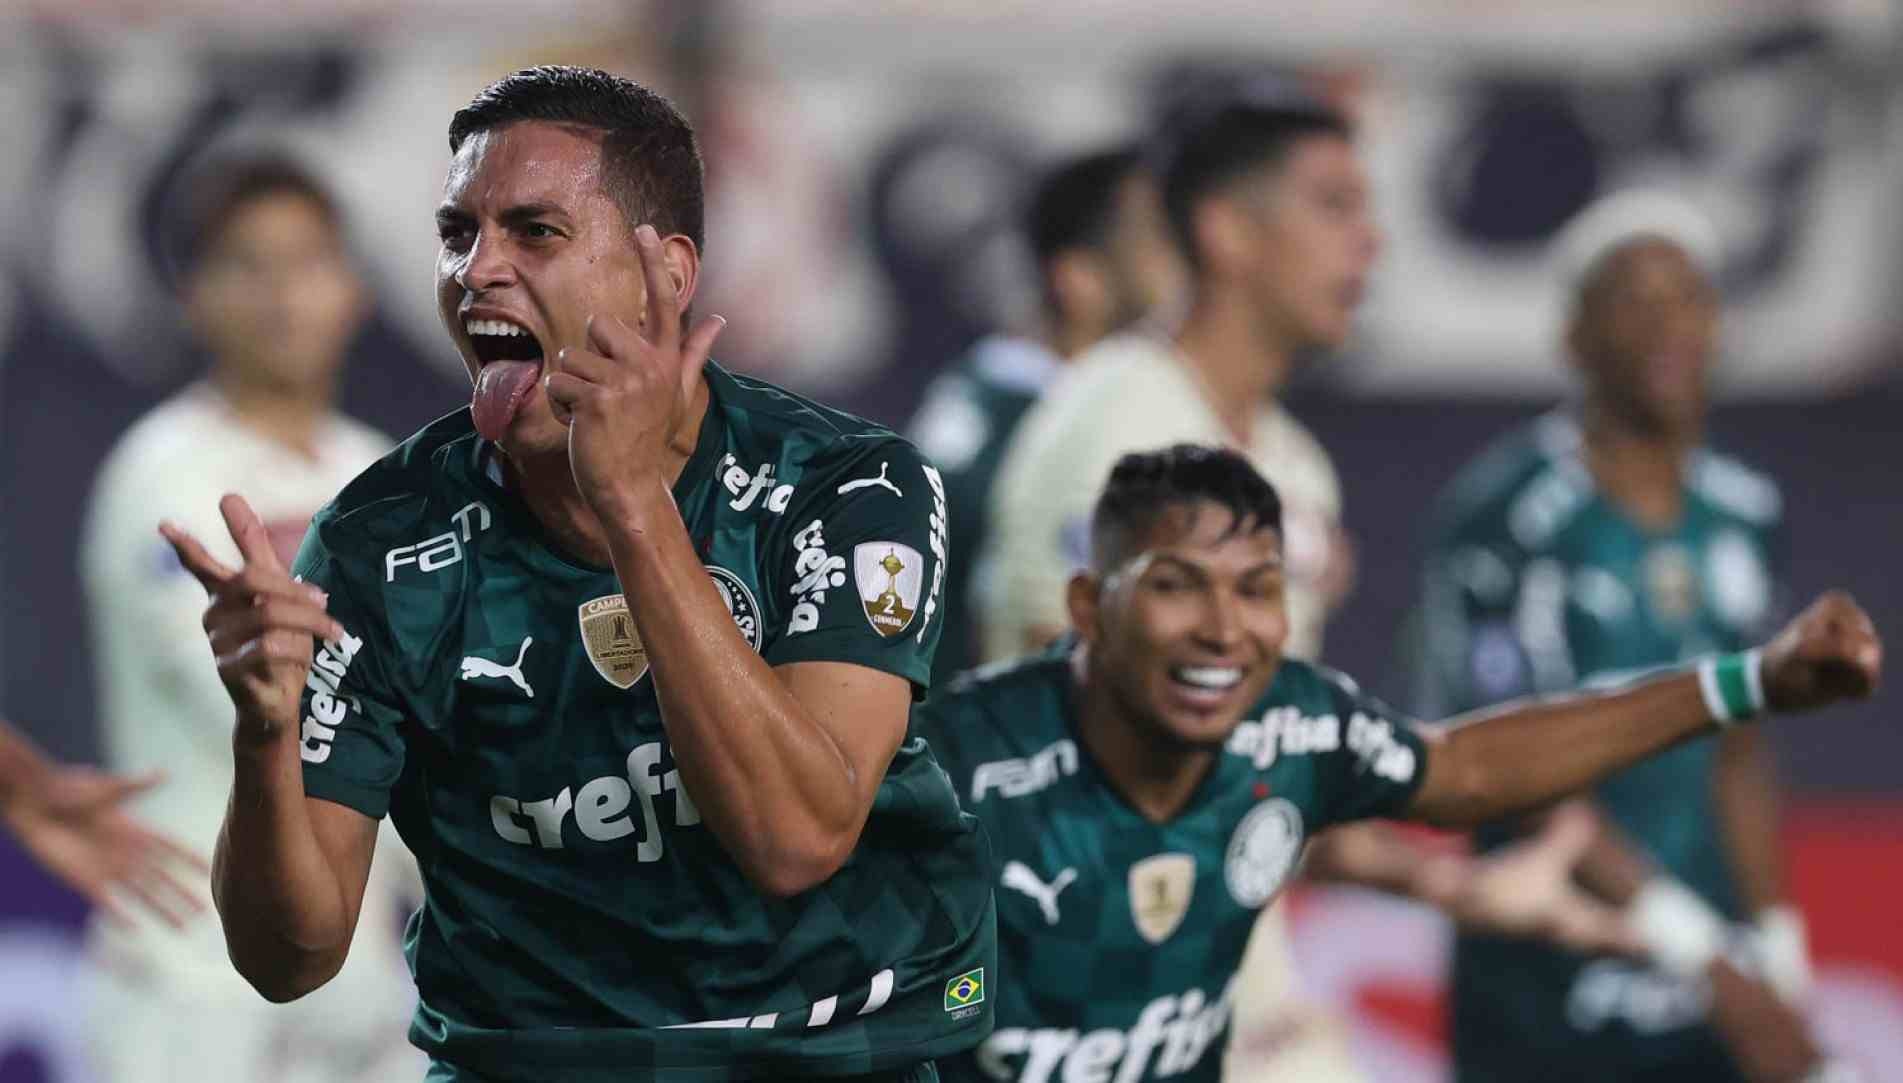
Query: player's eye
point(455, 236)
point(540, 231)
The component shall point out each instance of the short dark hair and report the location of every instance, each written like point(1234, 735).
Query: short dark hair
point(1209, 141)
point(650, 160)
point(1144, 485)
point(213, 192)
point(1075, 204)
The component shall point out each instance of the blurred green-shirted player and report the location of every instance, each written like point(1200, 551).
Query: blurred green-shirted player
point(1604, 540)
point(1149, 787)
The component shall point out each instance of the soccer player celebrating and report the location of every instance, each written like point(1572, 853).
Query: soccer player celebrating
point(1604, 540)
point(1148, 789)
point(626, 651)
point(269, 292)
point(1104, 260)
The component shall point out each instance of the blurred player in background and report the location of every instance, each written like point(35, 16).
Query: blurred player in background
point(73, 821)
point(1149, 787)
point(271, 296)
point(1601, 541)
point(1266, 198)
point(1104, 259)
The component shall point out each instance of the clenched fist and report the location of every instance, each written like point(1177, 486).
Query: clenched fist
point(1829, 652)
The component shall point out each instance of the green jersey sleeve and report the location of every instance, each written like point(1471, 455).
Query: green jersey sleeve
point(351, 739)
point(863, 565)
point(1379, 763)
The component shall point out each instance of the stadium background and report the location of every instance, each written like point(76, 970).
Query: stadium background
point(864, 161)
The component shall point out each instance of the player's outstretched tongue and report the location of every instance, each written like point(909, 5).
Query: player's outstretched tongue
point(501, 388)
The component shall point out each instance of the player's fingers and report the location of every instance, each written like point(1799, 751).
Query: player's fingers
point(259, 583)
point(159, 905)
point(664, 302)
point(207, 569)
point(125, 787)
point(235, 626)
point(170, 849)
point(567, 392)
point(248, 531)
point(589, 365)
point(180, 899)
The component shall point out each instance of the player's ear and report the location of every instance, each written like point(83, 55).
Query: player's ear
point(1083, 598)
point(683, 266)
point(1221, 229)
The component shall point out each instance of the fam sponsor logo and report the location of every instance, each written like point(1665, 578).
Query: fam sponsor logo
point(1284, 731)
point(818, 572)
point(747, 488)
point(599, 809)
point(327, 705)
point(443, 550)
point(1017, 778)
point(1171, 1035)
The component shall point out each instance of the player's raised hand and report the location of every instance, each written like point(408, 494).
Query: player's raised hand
point(1829, 652)
point(260, 621)
point(1527, 889)
point(629, 394)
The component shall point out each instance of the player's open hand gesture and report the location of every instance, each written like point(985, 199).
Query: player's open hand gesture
point(1527, 889)
point(1829, 652)
point(260, 621)
point(628, 396)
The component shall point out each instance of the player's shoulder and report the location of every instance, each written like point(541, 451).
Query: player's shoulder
point(1000, 709)
point(385, 504)
point(1520, 491)
point(1735, 489)
point(773, 424)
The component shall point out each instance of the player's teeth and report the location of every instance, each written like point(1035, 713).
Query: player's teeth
point(493, 327)
point(1208, 676)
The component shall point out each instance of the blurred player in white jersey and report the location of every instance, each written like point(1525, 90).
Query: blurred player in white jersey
point(271, 295)
point(1105, 260)
point(1267, 200)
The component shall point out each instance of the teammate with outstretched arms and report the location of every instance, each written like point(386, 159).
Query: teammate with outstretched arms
point(626, 651)
point(1149, 787)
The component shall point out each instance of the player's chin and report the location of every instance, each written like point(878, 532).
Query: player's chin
point(1199, 717)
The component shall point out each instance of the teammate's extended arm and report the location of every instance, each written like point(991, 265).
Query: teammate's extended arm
point(73, 820)
point(782, 764)
point(1522, 755)
point(289, 872)
point(1525, 889)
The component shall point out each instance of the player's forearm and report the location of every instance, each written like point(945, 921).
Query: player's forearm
point(1525, 754)
point(771, 784)
point(1745, 796)
point(286, 921)
point(1375, 856)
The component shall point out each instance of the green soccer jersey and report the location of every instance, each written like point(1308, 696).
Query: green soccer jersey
point(1536, 583)
point(965, 425)
point(492, 695)
point(1119, 938)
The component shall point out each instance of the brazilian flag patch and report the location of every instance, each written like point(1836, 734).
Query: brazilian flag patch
point(965, 990)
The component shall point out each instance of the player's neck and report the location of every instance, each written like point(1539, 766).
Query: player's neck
point(1157, 777)
point(1239, 367)
point(1638, 469)
point(546, 483)
point(293, 418)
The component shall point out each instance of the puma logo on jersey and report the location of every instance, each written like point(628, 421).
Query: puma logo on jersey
point(1019, 877)
point(474, 668)
point(867, 483)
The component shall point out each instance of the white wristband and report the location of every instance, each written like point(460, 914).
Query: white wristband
point(1680, 930)
point(1783, 951)
point(1733, 685)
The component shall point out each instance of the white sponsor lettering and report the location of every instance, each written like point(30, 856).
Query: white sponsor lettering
point(599, 809)
point(1373, 740)
point(1284, 731)
point(818, 571)
point(440, 551)
point(1173, 1031)
point(746, 488)
point(1016, 778)
point(940, 542)
point(327, 702)
point(1648, 1001)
